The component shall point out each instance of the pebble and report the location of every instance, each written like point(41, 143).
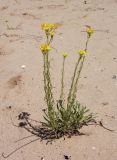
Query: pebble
point(105, 103)
point(23, 66)
point(66, 157)
point(114, 77)
point(93, 148)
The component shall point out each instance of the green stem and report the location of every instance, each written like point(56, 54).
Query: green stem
point(49, 84)
point(75, 88)
point(86, 45)
point(62, 81)
point(45, 80)
point(48, 91)
point(76, 82)
point(73, 79)
point(47, 37)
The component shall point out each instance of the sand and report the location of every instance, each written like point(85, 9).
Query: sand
point(21, 89)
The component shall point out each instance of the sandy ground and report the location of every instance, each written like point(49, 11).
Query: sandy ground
point(22, 90)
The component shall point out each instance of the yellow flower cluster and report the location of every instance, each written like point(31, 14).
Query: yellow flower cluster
point(65, 55)
point(48, 26)
point(90, 31)
point(45, 48)
point(82, 52)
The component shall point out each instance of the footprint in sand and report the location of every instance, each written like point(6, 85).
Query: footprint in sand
point(14, 81)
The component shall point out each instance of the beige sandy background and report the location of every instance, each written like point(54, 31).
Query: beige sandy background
point(22, 90)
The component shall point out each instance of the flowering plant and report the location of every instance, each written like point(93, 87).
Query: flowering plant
point(66, 117)
point(70, 116)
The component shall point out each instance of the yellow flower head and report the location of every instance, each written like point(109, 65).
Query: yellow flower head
point(48, 26)
point(65, 55)
point(45, 48)
point(90, 31)
point(82, 52)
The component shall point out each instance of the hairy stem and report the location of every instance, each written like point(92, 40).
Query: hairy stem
point(77, 78)
point(73, 80)
point(62, 81)
point(86, 44)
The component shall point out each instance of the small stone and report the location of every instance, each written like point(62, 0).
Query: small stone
point(93, 148)
point(22, 124)
point(114, 77)
point(23, 66)
point(9, 107)
point(66, 157)
point(25, 14)
point(105, 103)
